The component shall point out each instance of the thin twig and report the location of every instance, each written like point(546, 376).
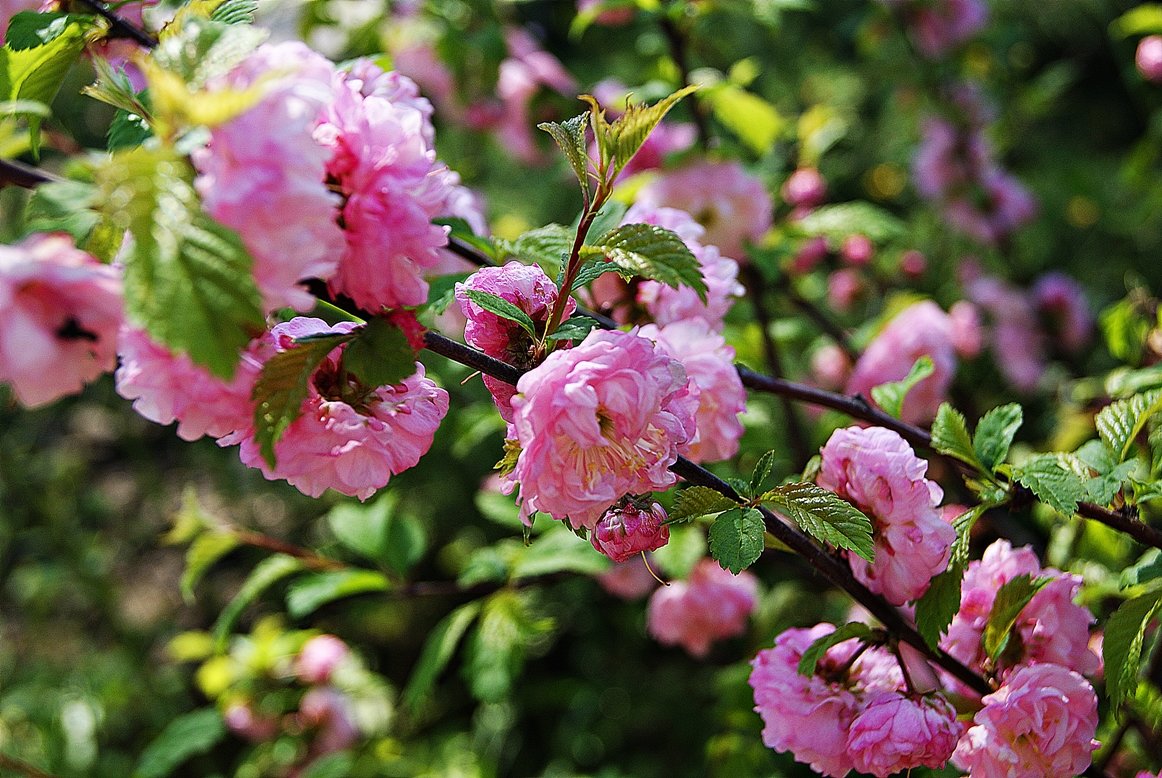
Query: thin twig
point(305, 555)
point(119, 26)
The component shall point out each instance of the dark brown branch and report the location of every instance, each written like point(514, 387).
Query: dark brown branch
point(13, 173)
point(119, 26)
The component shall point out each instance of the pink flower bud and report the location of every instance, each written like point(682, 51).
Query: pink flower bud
point(913, 263)
point(830, 366)
point(625, 531)
point(844, 286)
point(319, 657)
point(810, 254)
point(857, 249)
point(805, 188)
point(1149, 58)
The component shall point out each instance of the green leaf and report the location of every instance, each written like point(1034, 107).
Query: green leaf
point(378, 532)
point(496, 650)
point(695, 501)
point(818, 648)
point(282, 386)
point(736, 538)
point(950, 436)
point(62, 206)
point(1120, 422)
point(964, 524)
point(442, 290)
point(1126, 328)
point(28, 29)
point(309, 593)
point(188, 281)
point(621, 140)
point(557, 550)
point(206, 549)
point(611, 215)
point(550, 244)
point(379, 354)
point(1011, 599)
point(994, 434)
point(127, 130)
point(1053, 483)
point(576, 328)
point(1125, 633)
point(200, 50)
point(756, 122)
point(890, 396)
point(596, 266)
point(762, 469)
point(1144, 19)
point(188, 735)
point(265, 574)
point(437, 652)
point(937, 607)
point(1144, 571)
point(235, 12)
point(650, 252)
point(502, 308)
point(837, 222)
point(824, 516)
point(569, 135)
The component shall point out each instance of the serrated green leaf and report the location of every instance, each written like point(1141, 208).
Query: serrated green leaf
point(379, 354)
point(890, 396)
point(841, 220)
point(963, 525)
point(629, 131)
point(1052, 482)
point(188, 280)
point(756, 122)
point(994, 434)
point(762, 469)
point(1120, 422)
point(437, 652)
point(1011, 599)
point(502, 308)
point(378, 532)
point(496, 650)
point(695, 501)
point(309, 593)
point(597, 266)
point(282, 386)
point(1102, 489)
point(736, 538)
point(188, 735)
point(62, 206)
point(824, 516)
point(569, 135)
point(1125, 633)
point(611, 215)
point(206, 549)
point(265, 574)
point(575, 328)
point(651, 252)
point(235, 11)
point(937, 607)
point(29, 29)
point(820, 646)
point(1143, 19)
point(950, 436)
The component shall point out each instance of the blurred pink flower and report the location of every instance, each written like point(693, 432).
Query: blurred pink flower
point(167, 387)
point(1148, 58)
point(830, 366)
point(967, 332)
point(877, 471)
point(1064, 302)
point(1015, 335)
point(805, 188)
point(937, 28)
point(319, 657)
point(597, 422)
point(329, 712)
point(895, 732)
point(349, 438)
point(521, 76)
point(857, 250)
point(62, 310)
point(612, 16)
point(712, 604)
point(629, 580)
point(709, 363)
point(1041, 722)
point(627, 530)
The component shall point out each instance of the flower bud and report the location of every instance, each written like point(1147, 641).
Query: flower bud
point(857, 249)
point(628, 530)
point(319, 658)
point(805, 188)
point(1149, 58)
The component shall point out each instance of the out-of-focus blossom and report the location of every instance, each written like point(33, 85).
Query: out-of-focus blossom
point(857, 249)
point(1148, 58)
point(844, 287)
point(1015, 334)
point(895, 732)
point(601, 420)
point(877, 471)
point(627, 530)
point(937, 28)
point(810, 254)
point(62, 309)
point(709, 363)
point(1063, 301)
point(629, 580)
point(733, 206)
point(913, 263)
point(967, 332)
point(526, 70)
point(830, 366)
point(921, 329)
point(712, 604)
point(1041, 722)
point(319, 658)
point(330, 713)
point(805, 188)
point(606, 13)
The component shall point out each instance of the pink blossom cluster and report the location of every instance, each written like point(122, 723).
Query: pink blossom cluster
point(852, 713)
point(711, 604)
point(938, 28)
point(921, 329)
point(877, 471)
point(62, 310)
point(598, 421)
point(954, 166)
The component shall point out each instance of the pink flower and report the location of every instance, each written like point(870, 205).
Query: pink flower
point(709, 363)
point(876, 470)
point(319, 657)
point(895, 732)
point(613, 16)
point(1041, 722)
point(267, 155)
point(528, 288)
point(666, 304)
point(830, 366)
point(521, 76)
point(811, 253)
point(811, 716)
point(967, 333)
point(241, 719)
point(1148, 58)
point(949, 159)
point(921, 329)
point(380, 134)
point(857, 249)
point(1016, 338)
point(62, 310)
point(349, 438)
point(805, 188)
point(730, 203)
point(1063, 300)
point(844, 287)
point(167, 387)
point(330, 712)
point(626, 531)
point(939, 27)
point(599, 421)
point(629, 580)
point(1052, 628)
point(913, 263)
point(712, 604)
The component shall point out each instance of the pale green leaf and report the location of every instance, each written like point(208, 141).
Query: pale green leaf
point(1052, 482)
point(188, 735)
point(437, 652)
point(569, 135)
point(309, 593)
point(1011, 599)
point(890, 396)
point(950, 436)
point(206, 549)
point(1120, 422)
point(818, 648)
point(630, 130)
point(265, 574)
point(1124, 635)
point(756, 122)
point(994, 434)
point(838, 221)
point(557, 550)
point(1143, 19)
point(695, 501)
